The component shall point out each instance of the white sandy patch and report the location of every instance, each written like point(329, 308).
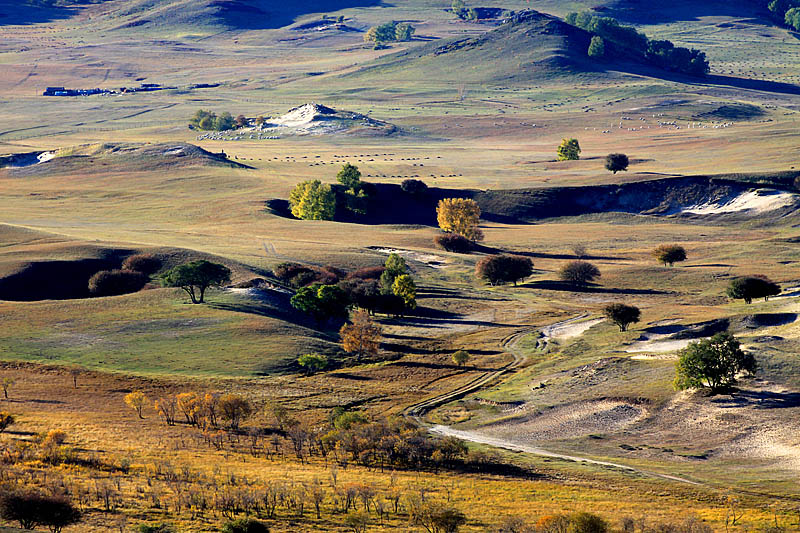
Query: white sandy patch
point(434, 261)
point(46, 156)
point(659, 346)
point(758, 201)
point(568, 329)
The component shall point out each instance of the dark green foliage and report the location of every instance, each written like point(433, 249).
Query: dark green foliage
point(395, 266)
point(617, 162)
point(669, 254)
point(206, 120)
point(390, 32)
point(196, 277)
point(115, 282)
point(597, 47)
point(578, 272)
point(245, 525)
point(453, 243)
point(500, 269)
point(714, 362)
point(323, 302)
point(792, 18)
point(662, 53)
point(350, 177)
point(622, 315)
point(749, 287)
point(144, 263)
point(414, 187)
point(32, 509)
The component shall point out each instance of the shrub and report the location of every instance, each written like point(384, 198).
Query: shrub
point(414, 187)
point(312, 362)
point(622, 315)
point(499, 269)
point(669, 254)
point(749, 287)
point(144, 263)
point(115, 282)
point(6, 420)
point(245, 525)
point(453, 243)
point(461, 357)
point(367, 273)
point(617, 162)
point(714, 362)
point(579, 272)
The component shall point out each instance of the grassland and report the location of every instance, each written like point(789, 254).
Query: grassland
point(99, 203)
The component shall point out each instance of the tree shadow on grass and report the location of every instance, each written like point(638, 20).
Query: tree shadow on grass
point(296, 318)
point(552, 285)
point(541, 255)
point(759, 399)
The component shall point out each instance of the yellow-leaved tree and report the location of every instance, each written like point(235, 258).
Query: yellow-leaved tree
point(460, 216)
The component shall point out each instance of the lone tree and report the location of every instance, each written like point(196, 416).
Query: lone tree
point(749, 287)
point(311, 200)
point(196, 277)
point(617, 162)
point(579, 272)
point(622, 315)
point(569, 150)
point(136, 400)
point(597, 47)
point(460, 216)
point(713, 362)
point(6, 420)
point(669, 254)
point(500, 269)
point(245, 525)
point(405, 288)
point(362, 337)
point(6, 384)
point(312, 362)
point(461, 357)
point(350, 177)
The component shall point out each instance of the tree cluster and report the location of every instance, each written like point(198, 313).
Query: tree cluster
point(460, 9)
point(34, 509)
point(500, 269)
point(390, 32)
point(298, 275)
point(209, 121)
point(661, 53)
point(748, 288)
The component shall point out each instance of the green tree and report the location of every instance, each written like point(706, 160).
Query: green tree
point(395, 266)
point(749, 287)
point(224, 122)
point(404, 32)
point(792, 18)
point(597, 47)
point(622, 315)
point(669, 254)
point(350, 177)
point(321, 301)
point(196, 277)
point(569, 150)
point(617, 162)
point(312, 362)
point(311, 200)
point(713, 362)
point(461, 357)
point(405, 288)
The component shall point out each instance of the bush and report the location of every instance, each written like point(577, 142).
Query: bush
point(617, 162)
point(312, 362)
point(414, 187)
point(245, 525)
point(367, 273)
point(144, 263)
point(499, 269)
point(579, 272)
point(31, 509)
point(114, 282)
point(597, 47)
point(669, 254)
point(453, 243)
point(298, 275)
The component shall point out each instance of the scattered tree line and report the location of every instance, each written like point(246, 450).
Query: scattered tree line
point(662, 53)
point(209, 121)
point(389, 32)
point(314, 200)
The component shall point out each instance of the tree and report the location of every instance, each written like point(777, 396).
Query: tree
point(405, 288)
point(622, 315)
point(597, 47)
point(116, 282)
point(6, 420)
point(437, 517)
point(362, 337)
point(6, 384)
point(234, 409)
point(240, 121)
point(749, 287)
point(350, 177)
point(583, 522)
point(714, 362)
point(499, 269)
point(669, 254)
point(136, 400)
point(460, 216)
point(792, 18)
point(414, 187)
point(312, 362)
point(357, 521)
point(323, 302)
point(144, 263)
point(311, 200)
point(245, 525)
point(196, 277)
point(569, 150)
point(32, 509)
point(453, 243)
point(404, 32)
point(617, 162)
point(394, 267)
point(461, 357)
point(578, 272)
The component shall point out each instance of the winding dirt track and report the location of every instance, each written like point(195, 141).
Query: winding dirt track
point(418, 410)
